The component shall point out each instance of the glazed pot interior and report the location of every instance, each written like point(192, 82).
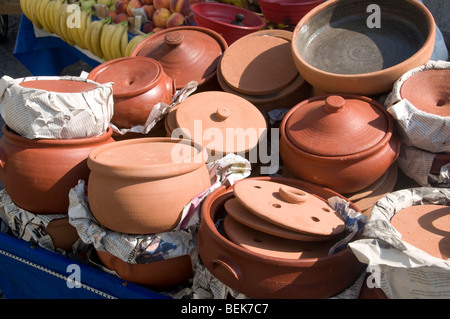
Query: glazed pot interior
point(340, 41)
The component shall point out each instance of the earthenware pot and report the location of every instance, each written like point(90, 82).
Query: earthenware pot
point(140, 186)
point(259, 68)
point(231, 21)
point(344, 142)
point(222, 122)
point(440, 159)
point(158, 275)
point(286, 11)
point(358, 48)
point(260, 276)
point(62, 233)
point(187, 53)
point(139, 84)
point(38, 173)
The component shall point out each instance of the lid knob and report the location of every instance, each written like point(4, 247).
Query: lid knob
point(223, 113)
point(334, 104)
point(238, 19)
point(293, 197)
point(173, 38)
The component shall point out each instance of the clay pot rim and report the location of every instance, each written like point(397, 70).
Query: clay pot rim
point(355, 156)
point(262, 23)
point(215, 35)
point(103, 66)
point(12, 136)
point(429, 41)
point(154, 171)
point(260, 258)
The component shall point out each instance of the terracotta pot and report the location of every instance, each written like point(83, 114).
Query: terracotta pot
point(62, 233)
point(287, 11)
point(59, 85)
point(440, 159)
point(259, 68)
point(260, 276)
point(158, 275)
point(222, 122)
point(429, 91)
point(346, 55)
point(231, 21)
point(139, 186)
point(38, 174)
point(139, 84)
point(187, 53)
point(343, 142)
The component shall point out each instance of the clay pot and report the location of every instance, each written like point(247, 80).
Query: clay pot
point(158, 275)
point(343, 142)
point(38, 173)
point(60, 85)
point(287, 11)
point(440, 159)
point(429, 91)
point(261, 276)
point(139, 84)
point(259, 68)
point(62, 233)
point(231, 21)
point(224, 122)
point(346, 55)
point(187, 53)
point(140, 186)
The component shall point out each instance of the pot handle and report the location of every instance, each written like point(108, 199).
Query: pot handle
point(2, 158)
point(293, 197)
point(219, 264)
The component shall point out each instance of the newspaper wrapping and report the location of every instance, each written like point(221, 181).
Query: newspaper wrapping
point(143, 249)
point(397, 267)
point(35, 113)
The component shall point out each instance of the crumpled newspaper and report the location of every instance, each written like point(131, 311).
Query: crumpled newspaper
point(423, 130)
point(35, 113)
point(142, 249)
point(397, 267)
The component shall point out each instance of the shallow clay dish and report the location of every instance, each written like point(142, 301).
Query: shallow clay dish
point(337, 51)
point(273, 246)
point(245, 217)
point(289, 207)
point(426, 227)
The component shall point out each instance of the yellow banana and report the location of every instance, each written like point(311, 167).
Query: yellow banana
point(74, 30)
point(48, 16)
point(24, 7)
point(124, 42)
point(134, 42)
point(105, 40)
point(95, 36)
point(55, 18)
point(84, 15)
point(116, 39)
point(41, 16)
point(32, 8)
point(66, 36)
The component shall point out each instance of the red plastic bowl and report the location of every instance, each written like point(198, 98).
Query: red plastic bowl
point(286, 11)
point(220, 17)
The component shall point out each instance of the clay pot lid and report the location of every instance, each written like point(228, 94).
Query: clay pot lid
point(220, 112)
point(187, 53)
point(426, 227)
point(245, 217)
point(336, 126)
point(289, 207)
point(59, 85)
point(131, 75)
point(272, 246)
point(147, 157)
point(258, 65)
point(429, 91)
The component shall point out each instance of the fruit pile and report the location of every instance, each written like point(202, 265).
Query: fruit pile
point(77, 22)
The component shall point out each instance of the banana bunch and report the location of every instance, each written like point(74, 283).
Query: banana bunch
point(114, 40)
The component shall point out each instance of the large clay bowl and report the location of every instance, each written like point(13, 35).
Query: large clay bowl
point(231, 21)
point(337, 50)
point(158, 275)
point(38, 173)
point(138, 186)
point(261, 276)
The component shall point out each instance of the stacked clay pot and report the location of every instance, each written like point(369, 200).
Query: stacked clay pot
point(140, 186)
point(270, 238)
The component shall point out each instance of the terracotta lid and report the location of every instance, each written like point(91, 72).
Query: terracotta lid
point(426, 227)
point(259, 65)
point(337, 126)
point(131, 75)
point(429, 91)
point(147, 157)
point(187, 53)
point(239, 213)
point(217, 116)
point(289, 207)
point(273, 246)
